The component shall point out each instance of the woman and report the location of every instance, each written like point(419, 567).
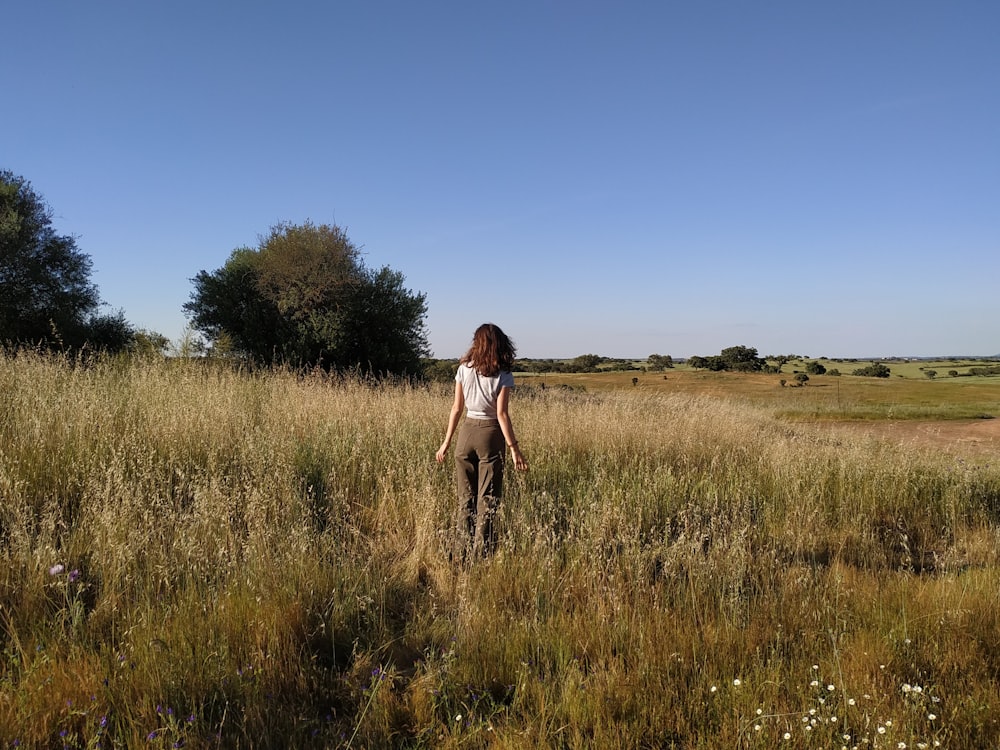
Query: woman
point(482, 387)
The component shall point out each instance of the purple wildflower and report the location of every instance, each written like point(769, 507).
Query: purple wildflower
point(56, 569)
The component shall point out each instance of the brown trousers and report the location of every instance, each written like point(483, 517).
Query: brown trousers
point(479, 461)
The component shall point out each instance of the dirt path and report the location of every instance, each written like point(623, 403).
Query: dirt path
point(972, 437)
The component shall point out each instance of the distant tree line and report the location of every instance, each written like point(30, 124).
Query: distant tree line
point(583, 363)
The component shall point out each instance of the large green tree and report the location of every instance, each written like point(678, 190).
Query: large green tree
point(734, 358)
point(46, 295)
point(305, 297)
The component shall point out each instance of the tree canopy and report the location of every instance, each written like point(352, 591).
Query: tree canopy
point(874, 370)
point(46, 295)
point(734, 358)
point(305, 297)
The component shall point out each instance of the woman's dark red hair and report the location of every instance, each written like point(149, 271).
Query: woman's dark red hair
point(491, 351)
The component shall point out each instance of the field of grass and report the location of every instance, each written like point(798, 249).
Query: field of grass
point(845, 398)
point(196, 557)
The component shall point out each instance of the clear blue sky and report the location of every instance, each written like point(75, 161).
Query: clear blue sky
point(617, 178)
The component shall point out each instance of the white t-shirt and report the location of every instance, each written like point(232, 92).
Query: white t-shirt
point(481, 393)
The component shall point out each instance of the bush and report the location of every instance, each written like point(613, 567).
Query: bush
point(874, 370)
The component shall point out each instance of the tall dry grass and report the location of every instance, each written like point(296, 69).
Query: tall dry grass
point(195, 556)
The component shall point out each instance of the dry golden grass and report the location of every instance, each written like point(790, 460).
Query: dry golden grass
point(195, 556)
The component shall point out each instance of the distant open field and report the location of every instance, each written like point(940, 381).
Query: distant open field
point(844, 397)
point(952, 413)
point(195, 556)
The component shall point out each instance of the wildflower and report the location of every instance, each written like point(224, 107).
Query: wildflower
point(815, 667)
point(906, 687)
point(851, 701)
point(788, 735)
point(73, 575)
point(760, 711)
point(56, 569)
point(831, 688)
point(713, 689)
point(881, 730)
point(931, 717)
point(458, 718)
point(736, 682)
point(756, 727)
point(814, 683)
point(901, 746)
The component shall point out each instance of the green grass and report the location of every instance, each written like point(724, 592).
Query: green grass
point(824, 397)
point(260, 560)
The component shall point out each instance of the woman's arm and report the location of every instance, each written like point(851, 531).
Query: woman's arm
point(507, 428)
point(456, 412)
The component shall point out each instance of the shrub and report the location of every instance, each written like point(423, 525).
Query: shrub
point(874, 370)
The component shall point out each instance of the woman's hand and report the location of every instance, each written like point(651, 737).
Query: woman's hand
point(442, 452)
point(520, 462)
